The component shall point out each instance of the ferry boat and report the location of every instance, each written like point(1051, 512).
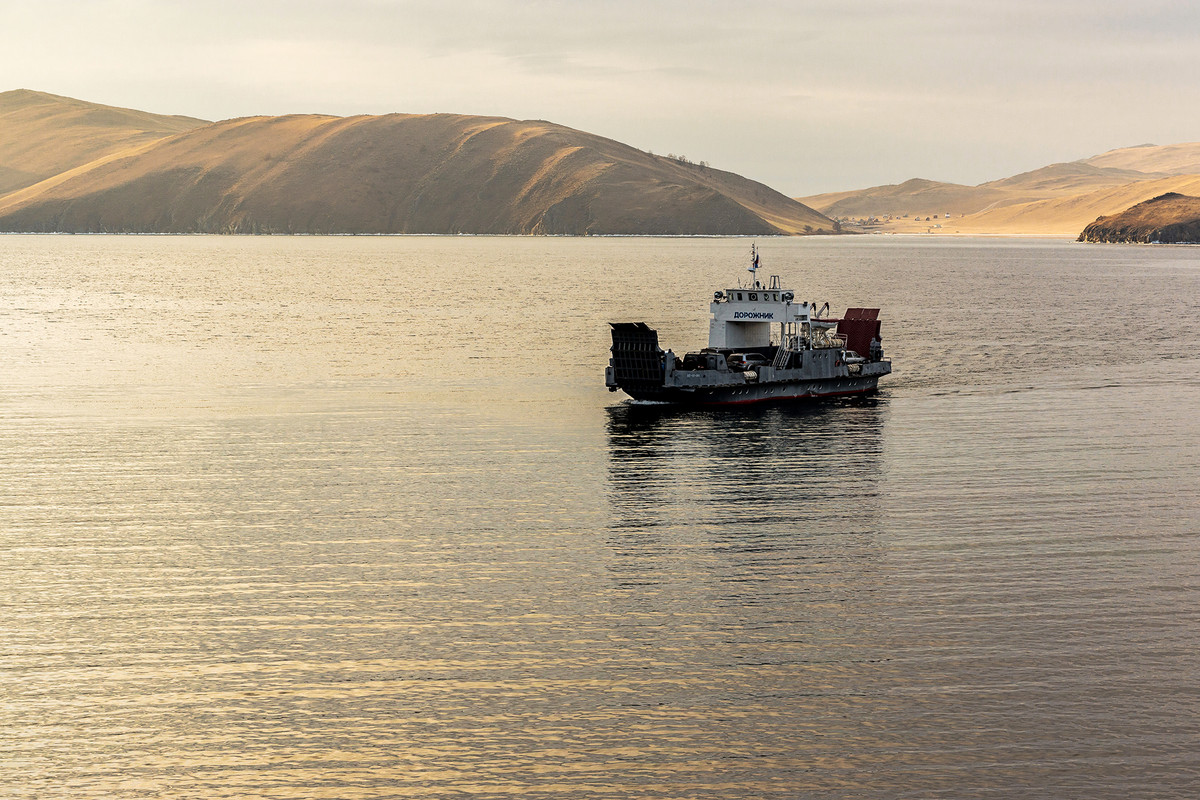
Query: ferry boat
point(763, 346)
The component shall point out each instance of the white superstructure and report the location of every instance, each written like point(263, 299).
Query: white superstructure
point(744, 318)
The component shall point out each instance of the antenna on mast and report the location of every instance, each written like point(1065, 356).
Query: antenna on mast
point(754, 265)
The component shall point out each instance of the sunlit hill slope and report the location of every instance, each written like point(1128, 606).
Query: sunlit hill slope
point(399, 173)
point(44, 135)
point(1056, 199)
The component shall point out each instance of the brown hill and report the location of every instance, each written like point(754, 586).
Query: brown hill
point(43, 135)
point(1170, 218)
point(1057, 199)
point(1068, 215)
point(1059, 180)
point(399, 173)
point(925, 198)
point(915, 196)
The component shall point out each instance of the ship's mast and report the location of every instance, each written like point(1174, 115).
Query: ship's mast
point(754, 265)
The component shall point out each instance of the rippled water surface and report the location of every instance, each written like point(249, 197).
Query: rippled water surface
point(355, 518)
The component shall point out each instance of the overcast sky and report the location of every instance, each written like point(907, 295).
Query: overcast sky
point(805, 96)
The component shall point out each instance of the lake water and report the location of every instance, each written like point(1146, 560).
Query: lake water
point(356, 518)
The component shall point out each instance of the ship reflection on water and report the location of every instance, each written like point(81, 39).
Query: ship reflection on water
point(747, 496)
point(745, 553)
point(788, 467)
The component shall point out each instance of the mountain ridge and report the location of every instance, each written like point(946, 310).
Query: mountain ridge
point(1058, 198)
point(394, 173)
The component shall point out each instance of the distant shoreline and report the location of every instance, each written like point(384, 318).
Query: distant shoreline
point(537, 236)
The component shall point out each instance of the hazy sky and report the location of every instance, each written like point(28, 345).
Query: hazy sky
point(804, 96)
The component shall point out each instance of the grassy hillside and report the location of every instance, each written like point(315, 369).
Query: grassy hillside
point(399, 173)
point(1060, 180)
point(919, 197)
point(913, 197)
point(43, 135)
point(1069, 215)
point(1055, 199)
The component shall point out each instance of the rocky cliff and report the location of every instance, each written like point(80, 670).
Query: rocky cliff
point(1170, 218)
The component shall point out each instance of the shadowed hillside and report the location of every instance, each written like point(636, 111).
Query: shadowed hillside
point(1169, 218)
point(43, 135)
point(399, 173)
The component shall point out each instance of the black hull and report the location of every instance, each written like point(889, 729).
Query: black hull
point(718, 377)
point(775, 392)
